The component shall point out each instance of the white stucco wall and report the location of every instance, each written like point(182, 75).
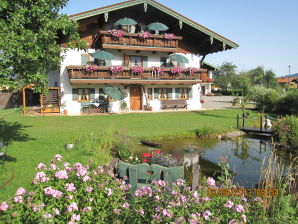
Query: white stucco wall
point(73, 57)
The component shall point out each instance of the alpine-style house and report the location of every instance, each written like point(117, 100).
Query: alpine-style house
point(147, 53)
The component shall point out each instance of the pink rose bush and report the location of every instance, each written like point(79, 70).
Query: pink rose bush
point(62, 195)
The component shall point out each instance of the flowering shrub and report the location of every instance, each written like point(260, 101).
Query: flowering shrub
point(166, 160)
point(115, 69)
point(89, 68)
point(117, 33)
point(177, 70)
point(157, 69)
point(192, 70)
point(144, 35)
point(169, 36)
point(66, 194)
point(138, 69)
point(202, 101)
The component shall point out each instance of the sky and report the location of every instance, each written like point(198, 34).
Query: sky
point(266, 30)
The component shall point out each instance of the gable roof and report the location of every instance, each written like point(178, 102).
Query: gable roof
point(183, 19)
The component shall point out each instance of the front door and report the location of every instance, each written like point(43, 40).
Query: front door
point(204, 90)
point(135, 98)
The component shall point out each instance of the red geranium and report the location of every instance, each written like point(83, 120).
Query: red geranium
point(147, 155)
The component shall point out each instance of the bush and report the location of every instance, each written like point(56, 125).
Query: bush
point(287, 132)
point(288, 104)
point(204, 132)
point(265, 98)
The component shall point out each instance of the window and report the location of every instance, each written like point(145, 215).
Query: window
point(101, 94)
point(136, 60)
point(163, 93)
point(83, 95)
point(149, 93)
point(183, 93)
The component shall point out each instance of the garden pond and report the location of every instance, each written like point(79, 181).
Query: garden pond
point(245, 155)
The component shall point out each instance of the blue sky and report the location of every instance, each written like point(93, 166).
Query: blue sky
point(266, 30)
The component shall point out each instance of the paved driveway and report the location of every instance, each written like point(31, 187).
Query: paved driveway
point(217, 102)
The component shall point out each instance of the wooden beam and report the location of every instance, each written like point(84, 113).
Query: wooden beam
point(132, 81)
point(108, 46)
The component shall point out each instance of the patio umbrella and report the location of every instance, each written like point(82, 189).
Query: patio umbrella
point(113, 92)
point(157, 26)
point(102, 55)
point(125, 21)
point(179, 58)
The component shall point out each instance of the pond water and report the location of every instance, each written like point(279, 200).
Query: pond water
point(245, 155)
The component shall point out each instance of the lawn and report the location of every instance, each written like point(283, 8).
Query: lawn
point(37, 139)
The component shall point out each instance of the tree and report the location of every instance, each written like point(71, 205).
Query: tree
point(227, 73)
point(241, 84)
point(31, 32)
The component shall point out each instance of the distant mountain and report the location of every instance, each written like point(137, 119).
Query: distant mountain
point(291, 76)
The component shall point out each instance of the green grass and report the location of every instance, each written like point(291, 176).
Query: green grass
point(38, 139)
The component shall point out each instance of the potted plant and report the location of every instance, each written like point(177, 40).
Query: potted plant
point(148, 107)
point(117, 34)
point(138, 69)
point(176, 70)
point(63, 106)
point(116, 69)
point(123, 105)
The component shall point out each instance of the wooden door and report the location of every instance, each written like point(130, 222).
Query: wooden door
point(135, 98)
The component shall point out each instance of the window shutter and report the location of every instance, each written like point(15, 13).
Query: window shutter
point(84, 59)
point(126, 60)
point(75, 94)
point(145, 61)
point(108, 62)
point(170, 95)
point(189, 92)
point(177, 93)
point(156, 91)
point(92, 93)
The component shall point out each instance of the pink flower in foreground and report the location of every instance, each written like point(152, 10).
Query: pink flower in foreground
point(229, 204)
point(58, 157)
point(72, 207)
point(18, 199)
point(167, 213)
point(244, 218)
point(41, 166)
point(233, 221)
point(40, 177)
point(125, 205)
point(239, 208)
point(109, 190)
point(89, 189)
point(210, 181)
point(53, 166)
point(20, 191)
point(62, 174)
point(75, 217)
point(47, 216)
point(86, 178)
point(87, 209)
point(206, 214)
point(180, 182)
point(70, 187)
point(3, 206)
point(101, 169)
point(56, 211)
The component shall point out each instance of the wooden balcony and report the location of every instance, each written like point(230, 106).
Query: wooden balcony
point(132, 41)
point(104, 75)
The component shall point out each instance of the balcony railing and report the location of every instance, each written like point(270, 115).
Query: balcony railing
point(103, 72)
point(133, 40)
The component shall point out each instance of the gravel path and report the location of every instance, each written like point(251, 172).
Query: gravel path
point(218, 102)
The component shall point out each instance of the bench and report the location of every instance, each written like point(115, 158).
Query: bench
point(140, 175)
point(167, 104)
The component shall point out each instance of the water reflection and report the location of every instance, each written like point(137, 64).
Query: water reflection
point(245, 156)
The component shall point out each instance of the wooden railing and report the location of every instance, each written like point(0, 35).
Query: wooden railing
point(133, 39)
point(77, 72)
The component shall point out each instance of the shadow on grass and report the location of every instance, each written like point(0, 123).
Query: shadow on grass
point(202, 113)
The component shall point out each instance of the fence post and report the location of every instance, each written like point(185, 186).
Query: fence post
point(261, 123)
point(243, 121)
point(237, 121)
point(266, 118)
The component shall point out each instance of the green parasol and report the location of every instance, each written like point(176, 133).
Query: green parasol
point(102, 55)
point(125, 21)
point(113, 92)
point(179, 58)
point(157, 26)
